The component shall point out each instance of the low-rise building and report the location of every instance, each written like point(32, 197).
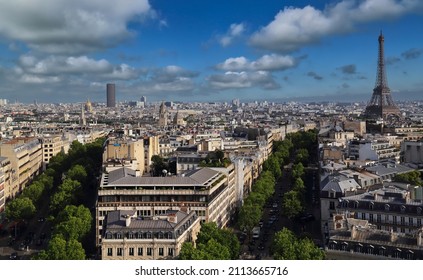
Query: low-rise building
point(127, 236)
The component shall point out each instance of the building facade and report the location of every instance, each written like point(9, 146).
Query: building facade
point(128, 236)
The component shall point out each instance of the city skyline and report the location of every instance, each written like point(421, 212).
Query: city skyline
point(208, 50)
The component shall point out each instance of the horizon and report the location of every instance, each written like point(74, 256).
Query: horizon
point(174, 50)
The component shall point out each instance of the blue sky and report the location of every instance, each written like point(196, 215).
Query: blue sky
point(209, 50)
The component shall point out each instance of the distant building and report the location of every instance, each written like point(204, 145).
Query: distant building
point(111, 95)
point(163, 115)
point(413, 152)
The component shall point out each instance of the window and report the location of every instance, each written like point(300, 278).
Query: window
point(395, 220)
point(131, 235)
point(387, 207)
point(371, 218)
point(110, 252)
point(118, 235)
point(140, 251)
point(149, 251)
point(131, 251)
point(161, 252)
point(363, 216)
point(332, 205)
point(170, 252)
point(402, 220)
point(378, 218)
point(372, 205)
point(410, 221)
point(119, 251)
point(148, 235)
point(403, 208)
point(419, 222)
point(419, 210)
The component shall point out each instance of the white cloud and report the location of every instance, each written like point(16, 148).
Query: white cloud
point(33, 69)
point(272, 62)
point(293, 28)
point(234, 80)
point(61, 26)
point(235, 30)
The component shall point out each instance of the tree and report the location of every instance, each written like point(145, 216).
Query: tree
point(249, 216)
point(66, 194)
point(302, 156)
point(210, 231)
point(272, 165)
point(212, 250)
point(413, 177)
point(286, 246)
point(34, 191)
point(20, 208)
point(298, 170)
point(299, 186)
point(73, 222)
point(291, 204)
point(307, 250)
point(158, 165)
point(60, 249)
point(77, 173)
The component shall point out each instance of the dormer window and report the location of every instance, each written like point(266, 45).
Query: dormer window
point(372, 205)
point(387, 207)
point(419, 210)
point(356, 204)
point(118, 235)
point(403, 208)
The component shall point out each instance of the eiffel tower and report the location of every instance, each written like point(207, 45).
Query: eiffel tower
point(381, 106)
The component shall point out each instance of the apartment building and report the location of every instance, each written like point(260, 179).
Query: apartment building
point(388, 208)
point(381, 151)
point(52, 145)
point(25, 155)
point(352, 238)
point(209, 192)
point(127, 236)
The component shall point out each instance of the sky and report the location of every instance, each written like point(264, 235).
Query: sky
point(208, 50)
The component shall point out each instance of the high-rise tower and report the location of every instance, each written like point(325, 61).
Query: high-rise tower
point(381, 105)
point(162, 115)
point(111, 95)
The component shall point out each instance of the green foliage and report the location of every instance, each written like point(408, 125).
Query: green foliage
point(60, 249)
point(302, 156)
point(158, 165)
point(73, 222)
point(288, 247)
point(272, 165)
point(66, 195)
point(215, 159)
point(34, 191)
point(212, 244)
point(291, 204)
point(20, 208)
point(210, 231)
point(299, 186)
point(413, 177)
point(298, 170)
point(249, 216)
point(77, 173)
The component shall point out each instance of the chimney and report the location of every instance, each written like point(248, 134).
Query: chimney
point(172, 218)
point(353, 232)
point(393, 236)
point(419, 238)
point(127, 220)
